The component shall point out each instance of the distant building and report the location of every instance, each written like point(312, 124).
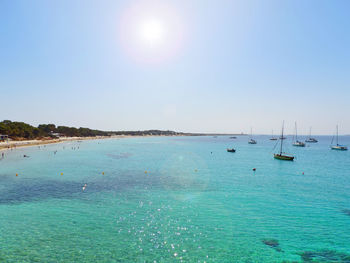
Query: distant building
point(4, 138)
point(56, 134)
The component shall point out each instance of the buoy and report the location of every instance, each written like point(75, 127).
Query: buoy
point(16, 174)
point(103, 173)
point(61, 173)
point(145, 172)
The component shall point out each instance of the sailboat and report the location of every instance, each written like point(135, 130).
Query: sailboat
point(338, 146)
point(251, 140)
point(281, 155)
point(296, 142)
point(311, 139)
point(273, 138)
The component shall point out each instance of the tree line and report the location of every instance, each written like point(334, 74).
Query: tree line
point(21, 130)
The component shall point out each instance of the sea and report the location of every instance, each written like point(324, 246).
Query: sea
point(175, 199)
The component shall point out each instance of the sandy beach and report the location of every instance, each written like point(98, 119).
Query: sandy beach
point(10, 145)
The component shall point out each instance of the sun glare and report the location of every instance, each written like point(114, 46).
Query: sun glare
point(151, 31)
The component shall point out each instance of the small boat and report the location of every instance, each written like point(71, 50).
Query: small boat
point(281, 155)
point(296, 142)
point(273, 138)
point(233, 137)
point(231, 150)
point(338, 146)
point(311, 139)
point(251, 140)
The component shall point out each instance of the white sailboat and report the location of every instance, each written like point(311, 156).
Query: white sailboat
point(338, 146)
point(296, 142)
point(273, 138)
point(251, 140)
point(311, 139)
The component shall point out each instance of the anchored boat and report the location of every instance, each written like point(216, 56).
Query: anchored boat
point(281, 155)
point(251, 140)
point(296, 142)
point(338, 146)
point(273, 138)
point(231, 150)
point(311, 139)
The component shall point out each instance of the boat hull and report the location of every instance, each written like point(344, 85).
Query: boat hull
point(311, 140)
point(283, 157)
point(252, 141)
point(231, 150)
point(298, 145)
point(339, 148)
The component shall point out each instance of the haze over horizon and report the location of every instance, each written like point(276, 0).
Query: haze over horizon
point(189, 66)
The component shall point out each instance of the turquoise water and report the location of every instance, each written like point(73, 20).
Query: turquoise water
point(196, 203)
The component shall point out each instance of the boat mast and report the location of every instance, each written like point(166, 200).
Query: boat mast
point(296, 132)
point(337, 134)
point(282, 138)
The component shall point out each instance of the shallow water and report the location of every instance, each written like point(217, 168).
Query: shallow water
point(170, 199)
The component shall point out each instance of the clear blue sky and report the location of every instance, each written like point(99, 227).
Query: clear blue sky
point(225, 66)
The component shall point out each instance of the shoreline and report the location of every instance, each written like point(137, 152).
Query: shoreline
point(12, 145)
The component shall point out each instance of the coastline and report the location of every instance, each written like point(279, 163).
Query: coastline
point(12, 145)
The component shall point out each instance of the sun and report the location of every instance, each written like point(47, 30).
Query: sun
point(152, 32)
